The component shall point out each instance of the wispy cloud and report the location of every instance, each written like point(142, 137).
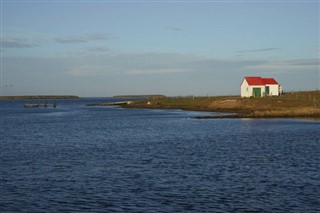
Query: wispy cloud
point(289, 66)
point(148, 64)
point(131, 64)
point(89, 52)
point(87, 70)
point(17, 43)
point(258, 50)
point(175, 28)
point(69, 40)
point(156, 71)
point(309, 62)
point(82, 39)
point(98, 36)
point(98, 49)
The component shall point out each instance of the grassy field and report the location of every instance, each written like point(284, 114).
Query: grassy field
point(293, 104)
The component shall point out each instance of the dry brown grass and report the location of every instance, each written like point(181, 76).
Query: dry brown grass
point(293, 104)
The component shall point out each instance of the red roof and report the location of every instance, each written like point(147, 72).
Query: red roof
point(269, 81)
point(260, 81)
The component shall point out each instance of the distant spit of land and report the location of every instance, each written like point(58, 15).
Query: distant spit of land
point(304, 104)
point(38, 97)
point(141, 96)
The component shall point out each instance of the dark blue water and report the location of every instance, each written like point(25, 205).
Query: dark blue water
point(106, 159)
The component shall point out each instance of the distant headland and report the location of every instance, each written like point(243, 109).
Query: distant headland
point(23, 97)
point(157, 96)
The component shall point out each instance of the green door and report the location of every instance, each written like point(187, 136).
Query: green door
point(256, 92)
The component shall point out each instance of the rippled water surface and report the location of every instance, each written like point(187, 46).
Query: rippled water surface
point(106, 159)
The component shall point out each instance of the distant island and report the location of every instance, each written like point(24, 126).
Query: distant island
point(38, 97)
point(141, 96)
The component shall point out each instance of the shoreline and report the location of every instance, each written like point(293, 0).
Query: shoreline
point(304, 105)
point(300, 105)
point(230, 113)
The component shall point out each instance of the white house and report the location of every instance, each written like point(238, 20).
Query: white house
point(260, 87)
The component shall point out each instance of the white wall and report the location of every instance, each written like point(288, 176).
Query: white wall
point(245, 90)
point(273, 89)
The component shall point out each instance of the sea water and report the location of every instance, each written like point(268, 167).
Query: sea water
point(76, 158)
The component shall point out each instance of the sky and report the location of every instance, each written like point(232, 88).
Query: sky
point(103, 48)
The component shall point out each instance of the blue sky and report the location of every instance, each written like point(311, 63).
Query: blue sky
point(106, 48)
